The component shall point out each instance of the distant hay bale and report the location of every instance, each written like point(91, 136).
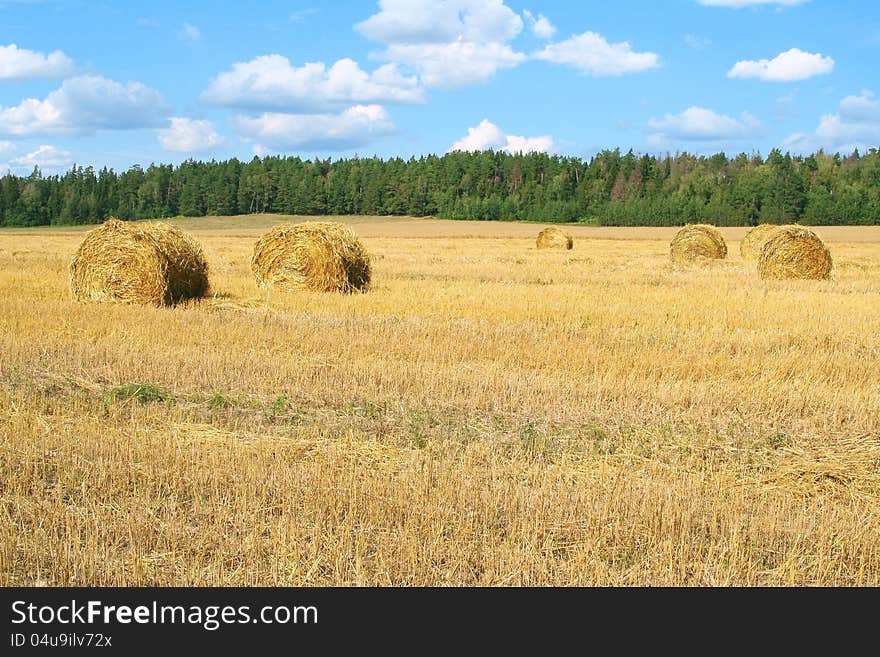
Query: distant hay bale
point(697, 242)
point(554, 237)
point(321, 256)
point(141, 263)
point(754, 239)
point(794, 252)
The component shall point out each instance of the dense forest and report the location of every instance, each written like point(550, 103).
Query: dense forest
point(609, 189)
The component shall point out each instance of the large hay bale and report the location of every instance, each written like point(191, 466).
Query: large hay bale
point(322, 256)
point(794, 252)
point(697, 242)
point(142, 263)
point(754, 239)
point(554, 237)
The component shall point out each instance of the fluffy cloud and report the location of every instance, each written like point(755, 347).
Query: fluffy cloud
point(855, 125)
point(450, 43)
point(700, 124)
point(484, 136)
point(739, 4)
point(270, 82)
point(591, 53)
point(794, 64)
point(487, 135)
point(355, 127)
point(46, 157)
point(311, 107)
point(449, 65)
point(83, 105)
point(863, 108)
point(189, 136)
point(441, 21)
point(515, 144)
point(541, 26)
point(20, 64)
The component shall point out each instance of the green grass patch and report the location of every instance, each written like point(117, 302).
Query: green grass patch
point(142, 393)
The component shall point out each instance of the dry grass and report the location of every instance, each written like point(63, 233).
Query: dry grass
point(321, 256)
point(488, 414)
point(145, 263)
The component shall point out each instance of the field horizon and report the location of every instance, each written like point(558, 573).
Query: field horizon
point(409, 226)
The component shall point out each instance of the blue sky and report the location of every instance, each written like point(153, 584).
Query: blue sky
point(118, 83)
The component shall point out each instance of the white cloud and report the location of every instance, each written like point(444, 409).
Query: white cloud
point(591, 53)
point(541, 26)
point(487, 135)
point(185, 135)
point(791, 65)
point(739, 4)
point(450, 43)
point(189, 33)
point(441, 21)
point(270, 82)
point(515, 144)
point(861, 108)
point(21, 64)
point(484, 136)
point(855, 125)
point(46, 157)
point(84, 104)
point(449, 65)
point(357, 126)
point(700, 124)
point(837, 129)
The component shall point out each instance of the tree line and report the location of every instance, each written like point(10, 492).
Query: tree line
point(611, 188)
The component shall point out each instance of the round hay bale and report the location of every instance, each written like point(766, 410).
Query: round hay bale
point(754, 239)
point(697, 242)
point(322, 256)
point(143, 263)
point(554, 237)
point(794, 252)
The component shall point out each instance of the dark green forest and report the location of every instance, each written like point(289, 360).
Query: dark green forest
point(609, 189)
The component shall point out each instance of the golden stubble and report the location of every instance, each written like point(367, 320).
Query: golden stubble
point(487, 413)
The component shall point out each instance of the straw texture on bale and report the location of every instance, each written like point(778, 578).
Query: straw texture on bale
point(141, 263)
point(554, 237)
point(321, 256)
point(794, 252)
point(754, 239)
point(696, 242)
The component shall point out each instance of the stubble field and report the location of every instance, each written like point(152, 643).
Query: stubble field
point(488, 414)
